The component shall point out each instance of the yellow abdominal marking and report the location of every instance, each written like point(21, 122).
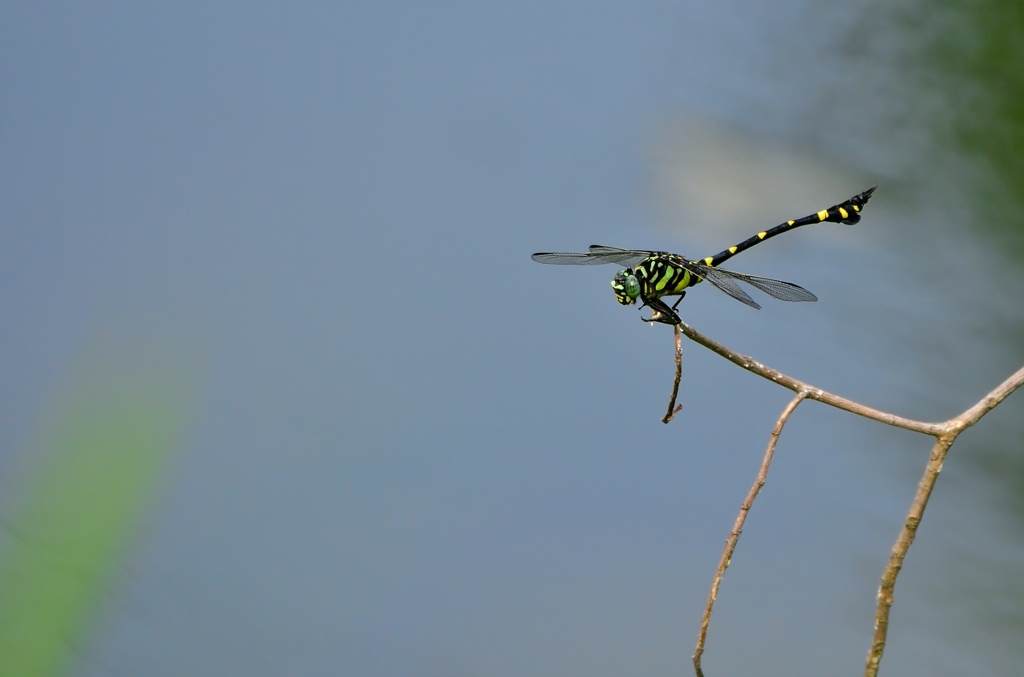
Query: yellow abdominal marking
point(823, 214)
point(709, 260)
point(669, 272)
point(761, 235)
point(732, 250)
point(844, 213)
point(684, 283)
point(792, 222)
point(855, 208)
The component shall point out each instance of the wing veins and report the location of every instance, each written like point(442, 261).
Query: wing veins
point(598, 255)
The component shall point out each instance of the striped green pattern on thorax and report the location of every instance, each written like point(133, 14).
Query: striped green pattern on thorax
point(664, 275)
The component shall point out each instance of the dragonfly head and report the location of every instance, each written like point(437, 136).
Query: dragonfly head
point(626, 287)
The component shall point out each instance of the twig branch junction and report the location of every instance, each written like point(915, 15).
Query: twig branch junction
point(945, 434)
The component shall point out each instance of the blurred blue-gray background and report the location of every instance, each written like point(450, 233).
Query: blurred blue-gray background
point(412, 451)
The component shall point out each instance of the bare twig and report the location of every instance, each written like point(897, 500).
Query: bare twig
point(945, 434)
point(899, 551)
point(737, 527)
point(987, 403)
point(673, 409)
point(943, 442)
point(813, 393)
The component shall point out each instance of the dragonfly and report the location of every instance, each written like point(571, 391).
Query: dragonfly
point(650, 276)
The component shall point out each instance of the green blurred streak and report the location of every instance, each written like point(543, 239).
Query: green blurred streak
point(984, 65)
point(86, 497)
point(954, 71)
point(968, 57)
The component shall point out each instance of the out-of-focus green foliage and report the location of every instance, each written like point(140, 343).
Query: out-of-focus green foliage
point(960, 74)
point(75, 514)
point(954, 74)
point(984, 61)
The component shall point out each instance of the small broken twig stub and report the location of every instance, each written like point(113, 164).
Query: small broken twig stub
point(673, 408)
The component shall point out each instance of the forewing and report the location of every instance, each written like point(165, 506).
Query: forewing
point(624, 257)
point(568, 258)
point(598, 255)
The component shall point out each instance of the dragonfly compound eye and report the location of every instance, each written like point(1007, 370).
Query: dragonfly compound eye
point(626, 287)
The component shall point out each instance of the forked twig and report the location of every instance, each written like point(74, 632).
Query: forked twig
point(673, 409)
point(953, 428)
point(737, 527)
point(945, 433)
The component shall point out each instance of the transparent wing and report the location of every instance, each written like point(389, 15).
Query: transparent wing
point(569, 258)
point(598, 255)
point(777, 289)
point(725, 281)
point(624, 257)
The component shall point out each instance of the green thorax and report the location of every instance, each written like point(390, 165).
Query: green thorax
point(663, 274)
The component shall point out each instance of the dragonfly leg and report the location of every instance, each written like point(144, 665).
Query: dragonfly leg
point(662, 313)
point(676, 304)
